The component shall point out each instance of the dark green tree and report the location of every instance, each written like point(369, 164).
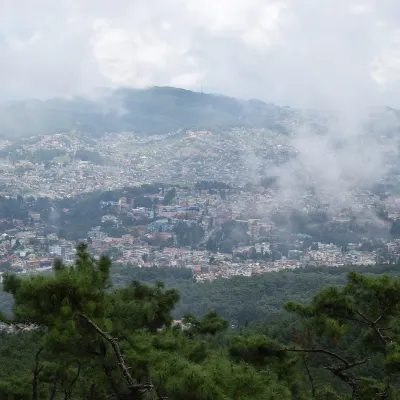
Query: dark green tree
point(92, 341)
point(364, 315)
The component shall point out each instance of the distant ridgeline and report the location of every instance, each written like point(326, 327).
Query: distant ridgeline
point(156, 110)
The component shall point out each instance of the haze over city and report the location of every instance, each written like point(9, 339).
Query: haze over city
point(200, 199)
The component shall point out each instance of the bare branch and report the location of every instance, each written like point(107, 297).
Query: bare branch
point(360, 321)
point(117, 351)
point(385, 394)
point(352, 382)
point(78, 372)
point(338, 370)
point(310, 378)
point(346, 367)
point(121, 362)
point(367, 320)
point(377, 329)
point(36, 373)
point(91, 392)
point(385, 339)
point(68, 394)
point(53, 390)
point(113, 385)
point(322, 351)
point(372, 324)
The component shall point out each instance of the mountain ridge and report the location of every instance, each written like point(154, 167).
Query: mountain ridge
point(155, 110)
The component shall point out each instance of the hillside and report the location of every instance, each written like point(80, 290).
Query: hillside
point(156, 110)
point(244, 300)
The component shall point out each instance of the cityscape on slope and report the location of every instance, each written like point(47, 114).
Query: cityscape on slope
point(200, 200)
point(234, 200)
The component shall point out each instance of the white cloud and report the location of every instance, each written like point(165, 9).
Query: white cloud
point(309, 52)
point(16, 44)
point(360, 8)
point(139, 57)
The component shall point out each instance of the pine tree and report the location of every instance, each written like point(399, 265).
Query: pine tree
point(364, 315)
point(94, 342)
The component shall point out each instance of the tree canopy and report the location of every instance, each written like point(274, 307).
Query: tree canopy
point(75, 336)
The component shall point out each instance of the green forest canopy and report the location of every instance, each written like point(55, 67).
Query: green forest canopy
point(240, 299)
point(95, 341)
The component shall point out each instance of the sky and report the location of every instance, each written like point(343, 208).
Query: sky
point(303, 53)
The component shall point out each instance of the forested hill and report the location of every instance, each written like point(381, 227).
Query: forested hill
point(156, 110)
point(244, 300)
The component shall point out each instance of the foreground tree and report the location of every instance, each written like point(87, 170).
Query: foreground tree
point(93, 342)
point(87, 340)
point(71, 311)
point(364, 316)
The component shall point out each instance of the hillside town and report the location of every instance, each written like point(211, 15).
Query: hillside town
point(189, 232)
point(207, 208)
point(71, 164)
